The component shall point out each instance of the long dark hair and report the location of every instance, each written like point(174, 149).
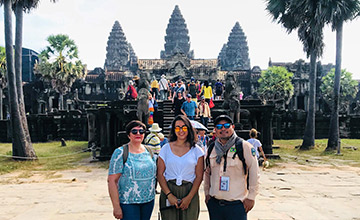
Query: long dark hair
point(191, 137)
point(206, 84)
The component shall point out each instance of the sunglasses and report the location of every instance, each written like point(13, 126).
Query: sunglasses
point(220, 126)
point(184, 128)
point(135, 131)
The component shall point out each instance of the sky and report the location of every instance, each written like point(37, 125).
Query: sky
point(89, 22)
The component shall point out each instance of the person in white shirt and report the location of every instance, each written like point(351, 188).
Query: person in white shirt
point(164, 88)
point(257, 145)
point(180, 172)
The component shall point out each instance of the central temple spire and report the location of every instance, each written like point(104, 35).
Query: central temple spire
point(177, 39)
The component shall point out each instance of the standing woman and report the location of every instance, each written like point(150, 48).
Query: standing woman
point(206, 90)
point(132, 183)
point(180, 172)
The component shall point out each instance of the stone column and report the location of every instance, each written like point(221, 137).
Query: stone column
point(267, 135)
point(91, 126)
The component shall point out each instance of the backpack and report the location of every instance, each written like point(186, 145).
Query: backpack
point(218, 88)
point(126, 152)
point(239, 152)
point(192, 90)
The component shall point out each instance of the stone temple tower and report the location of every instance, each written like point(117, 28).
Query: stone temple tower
point(177, 39)
point(118, 50)
point(235, 54)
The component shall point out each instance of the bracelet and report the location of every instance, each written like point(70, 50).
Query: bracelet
point(168, 194)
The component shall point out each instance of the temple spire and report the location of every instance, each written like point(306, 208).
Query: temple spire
point(117, 50)
point(177, 39)
point(236, 56)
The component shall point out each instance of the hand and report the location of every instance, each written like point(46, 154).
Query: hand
point(185, 202)
point(173, 200)
point(117, 212)
point(207, 198)
point(248, 204)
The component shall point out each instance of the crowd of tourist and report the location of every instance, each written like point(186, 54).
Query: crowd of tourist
point(226, 163)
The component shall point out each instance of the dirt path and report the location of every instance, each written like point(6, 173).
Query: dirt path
point(289, 191)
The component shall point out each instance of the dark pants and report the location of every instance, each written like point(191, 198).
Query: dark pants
point(224, 210)
point(140, 211)
point(204, 121)
point(191, 117)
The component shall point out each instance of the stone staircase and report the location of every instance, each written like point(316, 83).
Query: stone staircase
point(169, 116)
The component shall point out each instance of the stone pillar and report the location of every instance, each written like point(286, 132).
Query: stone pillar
point(91, 127)
point(267, 134)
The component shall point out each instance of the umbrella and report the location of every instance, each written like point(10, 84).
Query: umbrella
point(198, 125)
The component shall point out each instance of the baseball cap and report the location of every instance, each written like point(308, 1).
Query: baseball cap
point(188, 95)
point(223, 117)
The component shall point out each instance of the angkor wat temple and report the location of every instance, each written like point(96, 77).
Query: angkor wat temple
point(100, 94)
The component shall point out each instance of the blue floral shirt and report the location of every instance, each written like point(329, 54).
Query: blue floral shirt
point(137, 180)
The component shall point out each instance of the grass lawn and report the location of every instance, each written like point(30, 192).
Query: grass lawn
point(51, 157)
point(289, 151)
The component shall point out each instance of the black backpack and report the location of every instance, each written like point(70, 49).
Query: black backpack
point(192, 90)
point(239, 152)
point(126, 152)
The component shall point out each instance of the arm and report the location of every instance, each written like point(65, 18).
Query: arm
point(199, 172)
point(114, 195)
point(253, 169)
point(163, 184)
point(207, 184)
point(182, 111)
point(262, 152)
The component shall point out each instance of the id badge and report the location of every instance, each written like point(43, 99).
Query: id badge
point(224, 183)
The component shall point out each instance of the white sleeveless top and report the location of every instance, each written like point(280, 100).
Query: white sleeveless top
point(180, 168)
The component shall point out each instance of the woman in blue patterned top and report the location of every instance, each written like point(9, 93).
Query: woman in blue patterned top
point(132, 184)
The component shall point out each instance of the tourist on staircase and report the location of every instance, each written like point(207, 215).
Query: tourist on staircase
point(189, 108)
point(219, 88)
point(131, 93)
point(177, 104)
point(164, 88)
point(206, 91)
point(192, 90)
point(155, 88)
point(204, 112)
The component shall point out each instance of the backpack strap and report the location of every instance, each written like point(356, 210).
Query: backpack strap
point(125, 153)
point(209, 150)
point(149, 150)
point(240, 152)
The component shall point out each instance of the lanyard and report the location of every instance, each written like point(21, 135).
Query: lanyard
point(225, 160)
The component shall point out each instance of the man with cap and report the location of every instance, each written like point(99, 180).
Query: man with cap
point(189, 108)
point(153, 139)
point(230, 190)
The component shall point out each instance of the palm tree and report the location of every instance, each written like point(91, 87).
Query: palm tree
point(336, 12)
point(304, 16)
point(22, 147)
point(60, 65)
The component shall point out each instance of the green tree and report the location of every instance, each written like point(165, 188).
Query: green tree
point(349, 88)
point(275, 84)
point(303, 16)
point(60, 64)
point(336, 12)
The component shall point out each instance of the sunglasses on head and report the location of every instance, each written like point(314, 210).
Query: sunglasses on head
point(184, 128)
point(135, 131)
point(220, 126)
